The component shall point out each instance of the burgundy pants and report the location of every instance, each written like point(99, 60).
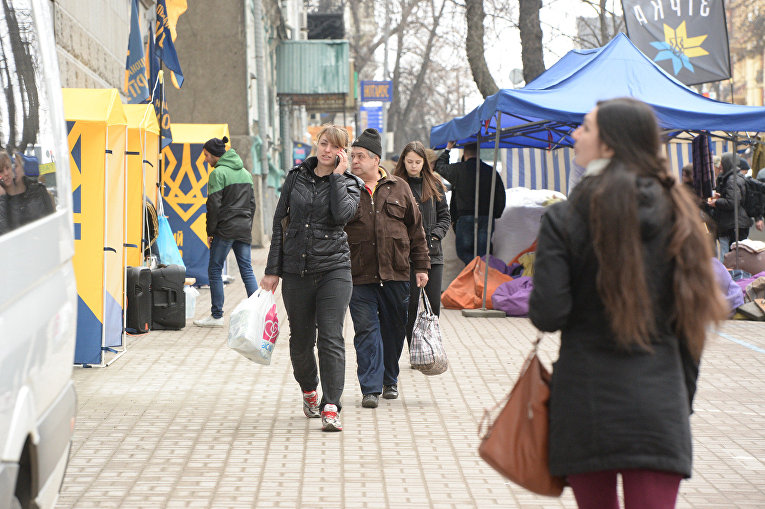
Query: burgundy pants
point(643, 489)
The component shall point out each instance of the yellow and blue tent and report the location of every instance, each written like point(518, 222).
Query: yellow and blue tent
point(142, 175)
point(184, 189)
point(96, 126)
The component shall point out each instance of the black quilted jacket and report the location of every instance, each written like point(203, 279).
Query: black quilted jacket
point(318, 209)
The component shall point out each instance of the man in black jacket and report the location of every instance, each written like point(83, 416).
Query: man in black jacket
point(230, 209)
point(462, 176)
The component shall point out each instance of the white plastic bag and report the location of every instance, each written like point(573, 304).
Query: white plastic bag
point(254, 327)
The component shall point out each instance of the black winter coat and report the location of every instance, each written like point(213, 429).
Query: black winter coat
point(461, 176)
point(610, 408)
point(730, 188)
point(435, 220)
point(318, 209)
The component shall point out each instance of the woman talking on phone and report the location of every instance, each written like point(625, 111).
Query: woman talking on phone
point(623, 270)
point(311, 255)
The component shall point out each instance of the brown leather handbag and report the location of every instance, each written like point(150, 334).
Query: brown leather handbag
point(516, 443)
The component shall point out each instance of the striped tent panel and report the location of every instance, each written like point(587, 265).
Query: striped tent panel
point(549, 169)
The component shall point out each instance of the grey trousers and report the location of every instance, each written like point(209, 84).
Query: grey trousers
point(317, 303)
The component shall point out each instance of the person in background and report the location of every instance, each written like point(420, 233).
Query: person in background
point(23, 200)
point(385, 237)
point(429, 193)
point(312, 256)
point(230, 209)
point(623, 271)
point(731, 188)
point(462, 176)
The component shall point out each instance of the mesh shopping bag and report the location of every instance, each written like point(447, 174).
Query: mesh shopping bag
point(426, 353)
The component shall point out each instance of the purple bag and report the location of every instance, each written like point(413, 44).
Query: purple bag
point(513, 297)
point(734, 294)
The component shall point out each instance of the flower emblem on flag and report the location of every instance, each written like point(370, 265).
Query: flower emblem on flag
point(679, 48)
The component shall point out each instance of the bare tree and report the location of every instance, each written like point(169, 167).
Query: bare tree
point(531, 38)
point(597, 31)
point(364, 43)
point(401, 110)
point(474, 47)
point(21, 94)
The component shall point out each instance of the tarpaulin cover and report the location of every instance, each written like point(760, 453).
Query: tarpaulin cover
point(96, 126)
point(558, 102)
point(184, 188)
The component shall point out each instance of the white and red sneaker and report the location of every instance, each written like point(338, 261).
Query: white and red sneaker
point(311, 404)
point(330, 420)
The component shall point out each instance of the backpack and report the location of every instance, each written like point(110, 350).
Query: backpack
point(754, 199)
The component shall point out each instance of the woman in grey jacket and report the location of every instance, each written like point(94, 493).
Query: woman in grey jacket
point(623, 270)
point(318, 198)
point(429, 192)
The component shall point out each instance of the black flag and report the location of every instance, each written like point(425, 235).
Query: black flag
point(689, 40)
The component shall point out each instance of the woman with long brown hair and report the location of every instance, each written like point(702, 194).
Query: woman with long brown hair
point(623, 269)
point(429, 192)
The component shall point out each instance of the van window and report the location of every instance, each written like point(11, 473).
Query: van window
point(28, 186)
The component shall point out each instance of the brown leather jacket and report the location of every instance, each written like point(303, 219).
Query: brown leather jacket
point(386, 233)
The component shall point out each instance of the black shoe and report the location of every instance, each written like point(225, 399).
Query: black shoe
point(390, 391)
point(370, 400)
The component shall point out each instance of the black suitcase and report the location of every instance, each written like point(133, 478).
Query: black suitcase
point(168, 302)
point(138, 315)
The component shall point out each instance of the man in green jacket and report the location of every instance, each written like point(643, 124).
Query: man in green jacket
point(230, 209)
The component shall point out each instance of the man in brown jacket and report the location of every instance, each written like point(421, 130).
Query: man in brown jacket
point(384, 236)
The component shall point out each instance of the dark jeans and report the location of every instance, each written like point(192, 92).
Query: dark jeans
point(318, 301)
point(729, 237)
point(433, 292)
point(464, 237)
point(379, 320)
point(218, 252)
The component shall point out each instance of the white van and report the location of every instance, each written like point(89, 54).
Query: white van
point(38, 297)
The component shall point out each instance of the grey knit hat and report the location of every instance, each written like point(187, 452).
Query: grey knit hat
point(370, 140)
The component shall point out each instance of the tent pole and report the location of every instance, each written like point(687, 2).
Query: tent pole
point(477, 184)
point(491, 209)
point(736, 198)
point(483, 312)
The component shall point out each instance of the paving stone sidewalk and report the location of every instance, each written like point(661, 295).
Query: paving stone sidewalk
point(182, 421)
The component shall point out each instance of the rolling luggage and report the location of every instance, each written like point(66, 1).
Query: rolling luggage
point(168, 308)
point(138, 316)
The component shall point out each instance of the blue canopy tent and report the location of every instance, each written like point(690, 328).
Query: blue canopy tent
point(545, 113)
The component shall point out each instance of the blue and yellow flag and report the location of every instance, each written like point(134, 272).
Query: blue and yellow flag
point(136, 88)
point(158, 94)
point(165, 47)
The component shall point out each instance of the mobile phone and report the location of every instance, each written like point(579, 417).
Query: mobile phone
point(337, 161)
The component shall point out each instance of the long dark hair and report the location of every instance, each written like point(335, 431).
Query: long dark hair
point(432, 187)
point(629, 128)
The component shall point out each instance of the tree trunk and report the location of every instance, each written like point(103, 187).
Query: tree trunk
point(531, 38)
point(474, 47)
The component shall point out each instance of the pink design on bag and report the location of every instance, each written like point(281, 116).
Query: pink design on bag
point(271, 328)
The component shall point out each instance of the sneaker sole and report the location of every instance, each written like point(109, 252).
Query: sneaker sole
point(310, 414)
point(390, 396)
point(331, 427)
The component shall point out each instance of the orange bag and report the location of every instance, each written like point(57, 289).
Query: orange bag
point(466, 291)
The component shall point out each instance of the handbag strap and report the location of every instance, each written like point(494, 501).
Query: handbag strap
point(484, 426)
point(426, 301)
